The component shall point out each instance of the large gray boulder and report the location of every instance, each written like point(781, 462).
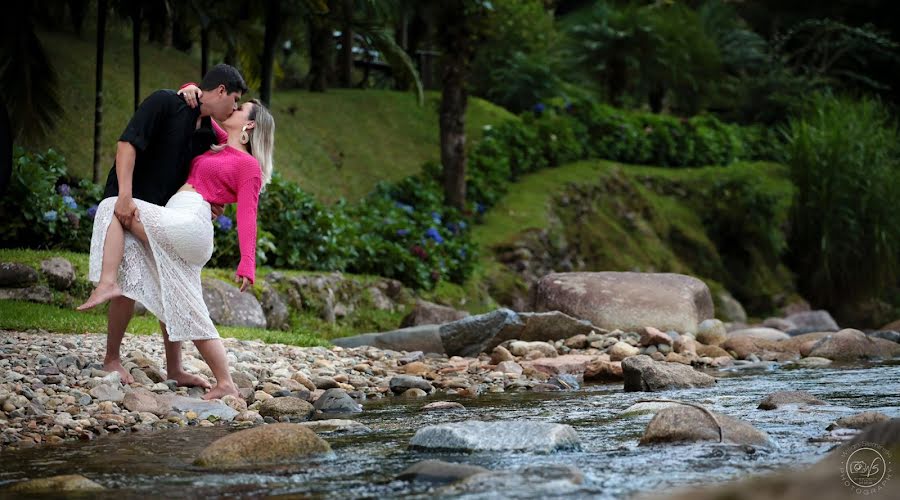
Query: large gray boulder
point(683, 423)
point(471, 336)
point(429, 313)
point(627, 301)
point(59, 272)
point(641, 373)
point(853, 345)
point(229, 307)
point(761, 333)
point(425, 338)
point(814, 321)
point(15, 275)
point(263, 445)
point(543, 326)
point(506, 435)
point(35, 293)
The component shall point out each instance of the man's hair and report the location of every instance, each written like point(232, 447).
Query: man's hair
point(224, 74)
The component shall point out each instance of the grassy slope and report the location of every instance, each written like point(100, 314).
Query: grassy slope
point(337, 144)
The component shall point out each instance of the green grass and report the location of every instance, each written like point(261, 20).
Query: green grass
point(16, 315)
point(334, 144)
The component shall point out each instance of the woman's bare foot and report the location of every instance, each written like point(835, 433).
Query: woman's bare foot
point(185, 379)
point(101, 294)
point(116, 366)
point(222, 390)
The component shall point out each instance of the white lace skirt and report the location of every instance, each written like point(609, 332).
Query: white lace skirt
point(164, 276)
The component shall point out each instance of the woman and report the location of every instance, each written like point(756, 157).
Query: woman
point(158, 262)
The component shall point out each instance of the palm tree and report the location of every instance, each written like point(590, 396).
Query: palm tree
point(98, 78)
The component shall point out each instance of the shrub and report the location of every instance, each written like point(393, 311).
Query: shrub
point(845, 221)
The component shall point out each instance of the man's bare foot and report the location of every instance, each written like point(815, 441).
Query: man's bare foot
point(116, 366)
point(185, 379)
point(222, 390)
point(101, 294)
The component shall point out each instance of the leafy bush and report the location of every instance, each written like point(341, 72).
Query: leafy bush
point(41, 210)
point(845, 222)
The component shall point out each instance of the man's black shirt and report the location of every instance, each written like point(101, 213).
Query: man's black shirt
point(163, 131)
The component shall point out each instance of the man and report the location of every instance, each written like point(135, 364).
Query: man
point(153, 158)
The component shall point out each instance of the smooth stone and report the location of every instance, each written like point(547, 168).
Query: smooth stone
point(263, 445)
point(507, 435)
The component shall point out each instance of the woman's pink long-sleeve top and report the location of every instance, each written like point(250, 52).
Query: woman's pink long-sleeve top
point(230, 176)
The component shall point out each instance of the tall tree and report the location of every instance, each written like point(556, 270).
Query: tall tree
point(136, 15)
point(273, 31)
point(98, 79)
point(345, 56)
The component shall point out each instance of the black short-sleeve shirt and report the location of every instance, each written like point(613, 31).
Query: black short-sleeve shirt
point(164, 132)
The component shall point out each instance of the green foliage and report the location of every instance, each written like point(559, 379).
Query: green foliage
point(845, 224)
point(40, 210)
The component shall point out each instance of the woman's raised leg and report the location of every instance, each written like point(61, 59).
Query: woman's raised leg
point(213, 352)
point(113, 251)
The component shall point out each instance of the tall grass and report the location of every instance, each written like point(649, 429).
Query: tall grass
point(845, 221)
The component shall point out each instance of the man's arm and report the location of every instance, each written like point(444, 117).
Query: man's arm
point(125, 206)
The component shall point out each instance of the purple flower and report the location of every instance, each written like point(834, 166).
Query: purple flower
point(50, 215)
point(434, 235)
point(224, 222)
point(64, 190)
point(91, 212)
point(69, 201)
point(538, 109)
point(402, 232)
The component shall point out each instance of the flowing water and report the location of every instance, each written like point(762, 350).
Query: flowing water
point(158, 464)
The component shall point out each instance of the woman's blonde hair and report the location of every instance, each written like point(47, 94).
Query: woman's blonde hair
point(262, 140)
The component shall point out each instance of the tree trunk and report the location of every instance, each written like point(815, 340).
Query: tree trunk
point(345, 58)
point(98, 78)
point(655, 98)
point(204, 51)
point(454, 100)
point(273, 26)
point(5, 149)
point(136, 51)
point(321, 49)
point(169, 27)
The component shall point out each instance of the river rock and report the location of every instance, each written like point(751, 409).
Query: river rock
point(337, 401)
point(54, 484)
point(336, 425)
point(729, 309)
point(571, 364)
point(16, 275)
point(425, 338)
point(760, 333)
point(711, 332)
point(891, 335)
point(108, 392)
point(288, 406)
point(854, 345)
point(443, 406)
point(229, 307)
point(543, 326)
point(782, 398)
point(645, 407)
point(684, 423)
point(508, 435)
point(521, 348)
point(429, 313)
point(622, 350)
point(59, 272)
point(400, 383)
point(627, 301)
point(438, 471)
point(859, 421)
point(652, 336)
point(471, 336)
point(529, 481)
point(819, 321)
point(263, 445)
point(641, 373)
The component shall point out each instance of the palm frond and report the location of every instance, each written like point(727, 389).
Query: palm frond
point(383, 41)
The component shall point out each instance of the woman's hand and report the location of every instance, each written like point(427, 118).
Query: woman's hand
point(192, 95)
point(243, 281)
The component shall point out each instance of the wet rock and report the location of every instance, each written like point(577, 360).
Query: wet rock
point(263, 445)
point(684, 423)
point(400, 383)
point(712, 351)
point(782, 398)
point(812, 362)
point(414, 392)
point(646, 407)
point(853, 345)
point(711, 332)
point(518, 435)
point(337, 401)
point(891, 335)
point(438, 472)
point(603, 370)
point(70, 482)
point(59, 272)
point(818, 321)
point(16, 275)
point(542, 327)
point(627, 301)
point(859, 421)
point(470, 336)
point(643, 374)
point(336, 425)
point(534, 481)
point(429, 313)
point(443, 406)
point(229, 307)
point(286, 407)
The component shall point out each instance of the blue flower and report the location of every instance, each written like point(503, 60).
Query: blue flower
point(462, 253)
point(480, 208)
point(462, 224)
point(224, 222)
point(436, 217)
point(50, 215)
point(64, 190)
point(91, 212)
point(538, 108)
point(402, 232)
point(69, 201)
point(403, 206)
point(434, 235)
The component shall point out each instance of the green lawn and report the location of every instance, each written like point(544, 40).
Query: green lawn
point(334, 144)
